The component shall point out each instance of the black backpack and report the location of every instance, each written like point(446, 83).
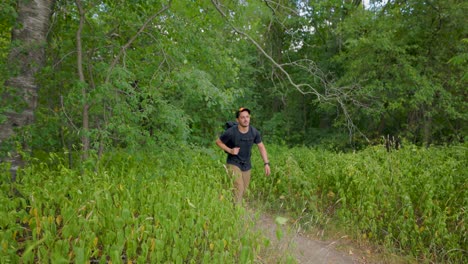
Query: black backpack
point(229, 124)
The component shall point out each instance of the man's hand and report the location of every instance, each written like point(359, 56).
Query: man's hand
point(235, 151)
point(267, 170)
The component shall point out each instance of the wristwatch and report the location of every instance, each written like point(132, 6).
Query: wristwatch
point(266, 163)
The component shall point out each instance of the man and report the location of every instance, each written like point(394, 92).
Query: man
point(237, 142)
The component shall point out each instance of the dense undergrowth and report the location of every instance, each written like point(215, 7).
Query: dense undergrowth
point(175, 206)
point(150, 207)
point(412, 201)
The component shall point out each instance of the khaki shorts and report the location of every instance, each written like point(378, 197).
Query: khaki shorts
point(241, 181)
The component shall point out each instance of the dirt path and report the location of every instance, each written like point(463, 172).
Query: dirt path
point(294, 245)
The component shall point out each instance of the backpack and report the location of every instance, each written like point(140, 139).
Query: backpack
point(229, 124)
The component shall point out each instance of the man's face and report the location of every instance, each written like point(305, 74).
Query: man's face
point(244, 119)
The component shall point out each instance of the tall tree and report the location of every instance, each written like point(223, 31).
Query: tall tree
point(402, 56)
point(30, 35)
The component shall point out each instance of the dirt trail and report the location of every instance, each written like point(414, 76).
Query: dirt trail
point(298, 246)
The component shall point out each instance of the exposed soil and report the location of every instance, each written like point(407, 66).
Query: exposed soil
point(298, 246)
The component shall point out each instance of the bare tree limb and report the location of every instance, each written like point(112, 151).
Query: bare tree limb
point(66, 115)
point(331, 93)
point(269, 2)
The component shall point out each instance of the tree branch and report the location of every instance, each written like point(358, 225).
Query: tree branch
point(331, 94)
point(133, 38)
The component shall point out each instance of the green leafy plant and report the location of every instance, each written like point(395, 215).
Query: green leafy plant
point(412, 200)
point(141, 207)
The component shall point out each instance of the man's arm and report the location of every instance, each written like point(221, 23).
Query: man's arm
point(264, 154)
point(232, 151)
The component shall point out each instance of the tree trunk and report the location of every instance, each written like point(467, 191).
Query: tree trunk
point(427, 130)
point(84, 93)
point(26, 59)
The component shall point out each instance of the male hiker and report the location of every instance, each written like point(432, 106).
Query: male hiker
point(237, 142)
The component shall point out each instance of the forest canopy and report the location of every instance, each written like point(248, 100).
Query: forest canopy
point(337, 73)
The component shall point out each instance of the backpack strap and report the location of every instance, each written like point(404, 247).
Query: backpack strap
point(236, 135)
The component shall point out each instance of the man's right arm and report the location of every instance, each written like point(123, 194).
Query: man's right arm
point(232, 151)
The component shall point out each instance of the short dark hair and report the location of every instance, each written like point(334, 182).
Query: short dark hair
point(242, 109)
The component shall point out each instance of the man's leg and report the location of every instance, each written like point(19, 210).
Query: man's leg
point(241, 182)
point(245, 181)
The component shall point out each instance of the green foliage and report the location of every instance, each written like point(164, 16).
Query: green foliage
point(175, 78)
point(401, 62)
point(7, 20)
point(182, 77)
point(412, 200)
point(398, 56)
point(141, 207)
point(176, 83)
point(176, 205)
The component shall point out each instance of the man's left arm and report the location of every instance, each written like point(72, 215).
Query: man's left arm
point(264, 154)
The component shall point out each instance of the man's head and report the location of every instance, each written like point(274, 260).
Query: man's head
point(242, 109)
point(243, 117)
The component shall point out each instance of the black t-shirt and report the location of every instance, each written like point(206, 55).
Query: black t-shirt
point(232, 137)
